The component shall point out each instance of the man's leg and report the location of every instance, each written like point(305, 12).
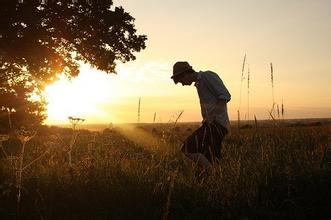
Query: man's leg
point(194, 149)
point(216, 137)
point(200, 160)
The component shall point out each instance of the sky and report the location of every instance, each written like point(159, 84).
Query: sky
point(211, 35)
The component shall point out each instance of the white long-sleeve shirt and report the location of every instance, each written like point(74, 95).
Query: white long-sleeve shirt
point(213, 97)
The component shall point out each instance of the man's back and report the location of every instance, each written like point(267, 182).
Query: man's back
point(213, 97)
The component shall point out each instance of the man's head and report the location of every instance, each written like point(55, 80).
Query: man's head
point(183, 73)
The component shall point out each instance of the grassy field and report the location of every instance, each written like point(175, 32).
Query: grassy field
point(128, 172)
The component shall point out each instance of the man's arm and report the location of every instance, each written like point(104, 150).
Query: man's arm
point(216, 85)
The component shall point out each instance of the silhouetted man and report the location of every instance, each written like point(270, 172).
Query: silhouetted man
point(204, 145)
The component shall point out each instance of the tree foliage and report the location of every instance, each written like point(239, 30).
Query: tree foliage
point(21, 105)
point(42, 38)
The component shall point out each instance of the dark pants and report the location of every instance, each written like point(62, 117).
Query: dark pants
point(206, 140)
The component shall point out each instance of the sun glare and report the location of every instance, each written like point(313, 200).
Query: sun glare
point(82, 96)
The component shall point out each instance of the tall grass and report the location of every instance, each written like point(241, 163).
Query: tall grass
point(273, 173)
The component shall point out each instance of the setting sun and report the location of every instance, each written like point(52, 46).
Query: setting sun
point(80, 97)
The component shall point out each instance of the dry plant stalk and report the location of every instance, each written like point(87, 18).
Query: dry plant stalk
point(89, 159)
point(255, 120)
point(272, 88)
point(241, 81)
point(273, 119)
point(138, 113)
point(23, 136)
point(248, 79)
point(171, 129)
point(179, 114)
point(74, 122)
point(3, 137)
point(238, 118)
point(283, 110)
point(154, 118)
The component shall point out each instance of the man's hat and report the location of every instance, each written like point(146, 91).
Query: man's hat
point(180, 68)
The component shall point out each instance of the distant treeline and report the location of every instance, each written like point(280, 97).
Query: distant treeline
point(90, 2)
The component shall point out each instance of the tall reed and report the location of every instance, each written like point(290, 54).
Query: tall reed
point(238, 118)
point(255, 120)
point(138, 113)
point(283, 110)
point(248, 80)
point(179, 114)
point(272, 88)
point(241, 82)
point(154, 118)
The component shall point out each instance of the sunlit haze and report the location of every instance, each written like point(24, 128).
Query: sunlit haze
point(212, 35)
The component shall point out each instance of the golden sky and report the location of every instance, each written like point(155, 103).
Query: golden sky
point(212, 35)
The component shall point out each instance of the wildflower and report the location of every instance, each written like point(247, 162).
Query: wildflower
point(25, 135)
point(75, 121)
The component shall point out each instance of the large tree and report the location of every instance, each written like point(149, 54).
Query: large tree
point(42, 38)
